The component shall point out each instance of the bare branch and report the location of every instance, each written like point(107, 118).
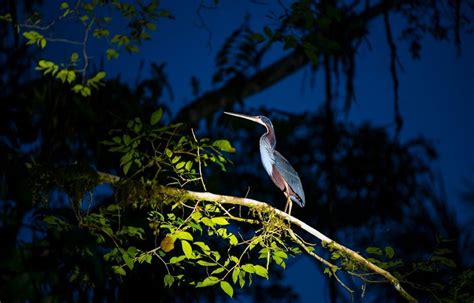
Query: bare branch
point(393, 72)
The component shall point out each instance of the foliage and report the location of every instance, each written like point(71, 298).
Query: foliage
point(97, 20)
point(151, 150)
point(189, 236)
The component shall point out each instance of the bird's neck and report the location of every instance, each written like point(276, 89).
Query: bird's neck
point(269, 136)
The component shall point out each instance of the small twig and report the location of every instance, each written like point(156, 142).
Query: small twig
point(293, 236)
point(203, 23)
point(333, 267)
point(393, 72)
point(84, 51)
point(199, 160)
point(62, 40)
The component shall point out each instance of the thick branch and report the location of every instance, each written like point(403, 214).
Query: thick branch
point(254, 204)
point(237, 88)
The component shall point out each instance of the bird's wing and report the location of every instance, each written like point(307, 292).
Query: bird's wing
point(290, 175)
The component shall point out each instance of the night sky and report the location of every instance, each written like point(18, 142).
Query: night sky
point(436, 92)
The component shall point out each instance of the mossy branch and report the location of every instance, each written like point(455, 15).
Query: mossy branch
point(185, 195)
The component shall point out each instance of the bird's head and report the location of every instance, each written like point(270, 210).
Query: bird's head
point(259, 119)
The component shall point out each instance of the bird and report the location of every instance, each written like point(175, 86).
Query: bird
point(277, 167)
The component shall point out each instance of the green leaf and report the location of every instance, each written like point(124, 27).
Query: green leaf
point(151, 26)
point(62, 75)
point(148, 258)
point(71, 76)
point(180, 165)
point(183, 235)
point(188, 165)
point(248, 268)
point(132, 48)
point(209, 281)
point(100, 33)
point(7, 17)
point(175, 159)
point(227, 288)
point(233, 240)
point(169, 280)
point(217, 270)
point(261, 271)
point(242, 279)
point(52, 220)
point(99, 76)
point(126, 167)
point(208, 222)
point(220, 221)
point(85, 91)
point(187, 249)
point(126, 139)
point(74, 57)
point(328, 272)
point(281, 254)
point(175, 260)
point(204, 247)
point(156, 116)
point(35, 38)
point(128, 261)
point(165, 13)
point(235, 274)
point(168, 152)
point(206, 263)
point(279, 261)
point(224, 145)
point(389, 252)
point(444, 260)
point(64, 5)
point(121, 40)
point(96, 80)
point(111, 54)
point(119, 270)
point(374, 251)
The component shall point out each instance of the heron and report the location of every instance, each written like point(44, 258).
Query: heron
point(277, 167)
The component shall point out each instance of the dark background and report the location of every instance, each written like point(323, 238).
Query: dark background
point(366, 183)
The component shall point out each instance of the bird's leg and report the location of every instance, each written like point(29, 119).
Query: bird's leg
point(288, 205)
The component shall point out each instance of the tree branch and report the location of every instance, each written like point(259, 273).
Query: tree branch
point(239, 88)
point(184, 194)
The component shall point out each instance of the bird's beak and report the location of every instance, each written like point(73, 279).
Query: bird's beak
point(251, 118)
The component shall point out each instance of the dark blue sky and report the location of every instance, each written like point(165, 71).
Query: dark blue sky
point(436, 92)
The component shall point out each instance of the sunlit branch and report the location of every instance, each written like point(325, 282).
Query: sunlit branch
point(264, 207)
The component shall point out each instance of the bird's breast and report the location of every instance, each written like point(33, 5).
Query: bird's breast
point(267, 158)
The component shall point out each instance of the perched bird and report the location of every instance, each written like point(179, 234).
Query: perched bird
point(277, 167)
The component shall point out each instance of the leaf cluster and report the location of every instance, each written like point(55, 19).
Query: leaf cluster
point(162, 153)
point(94, 18)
